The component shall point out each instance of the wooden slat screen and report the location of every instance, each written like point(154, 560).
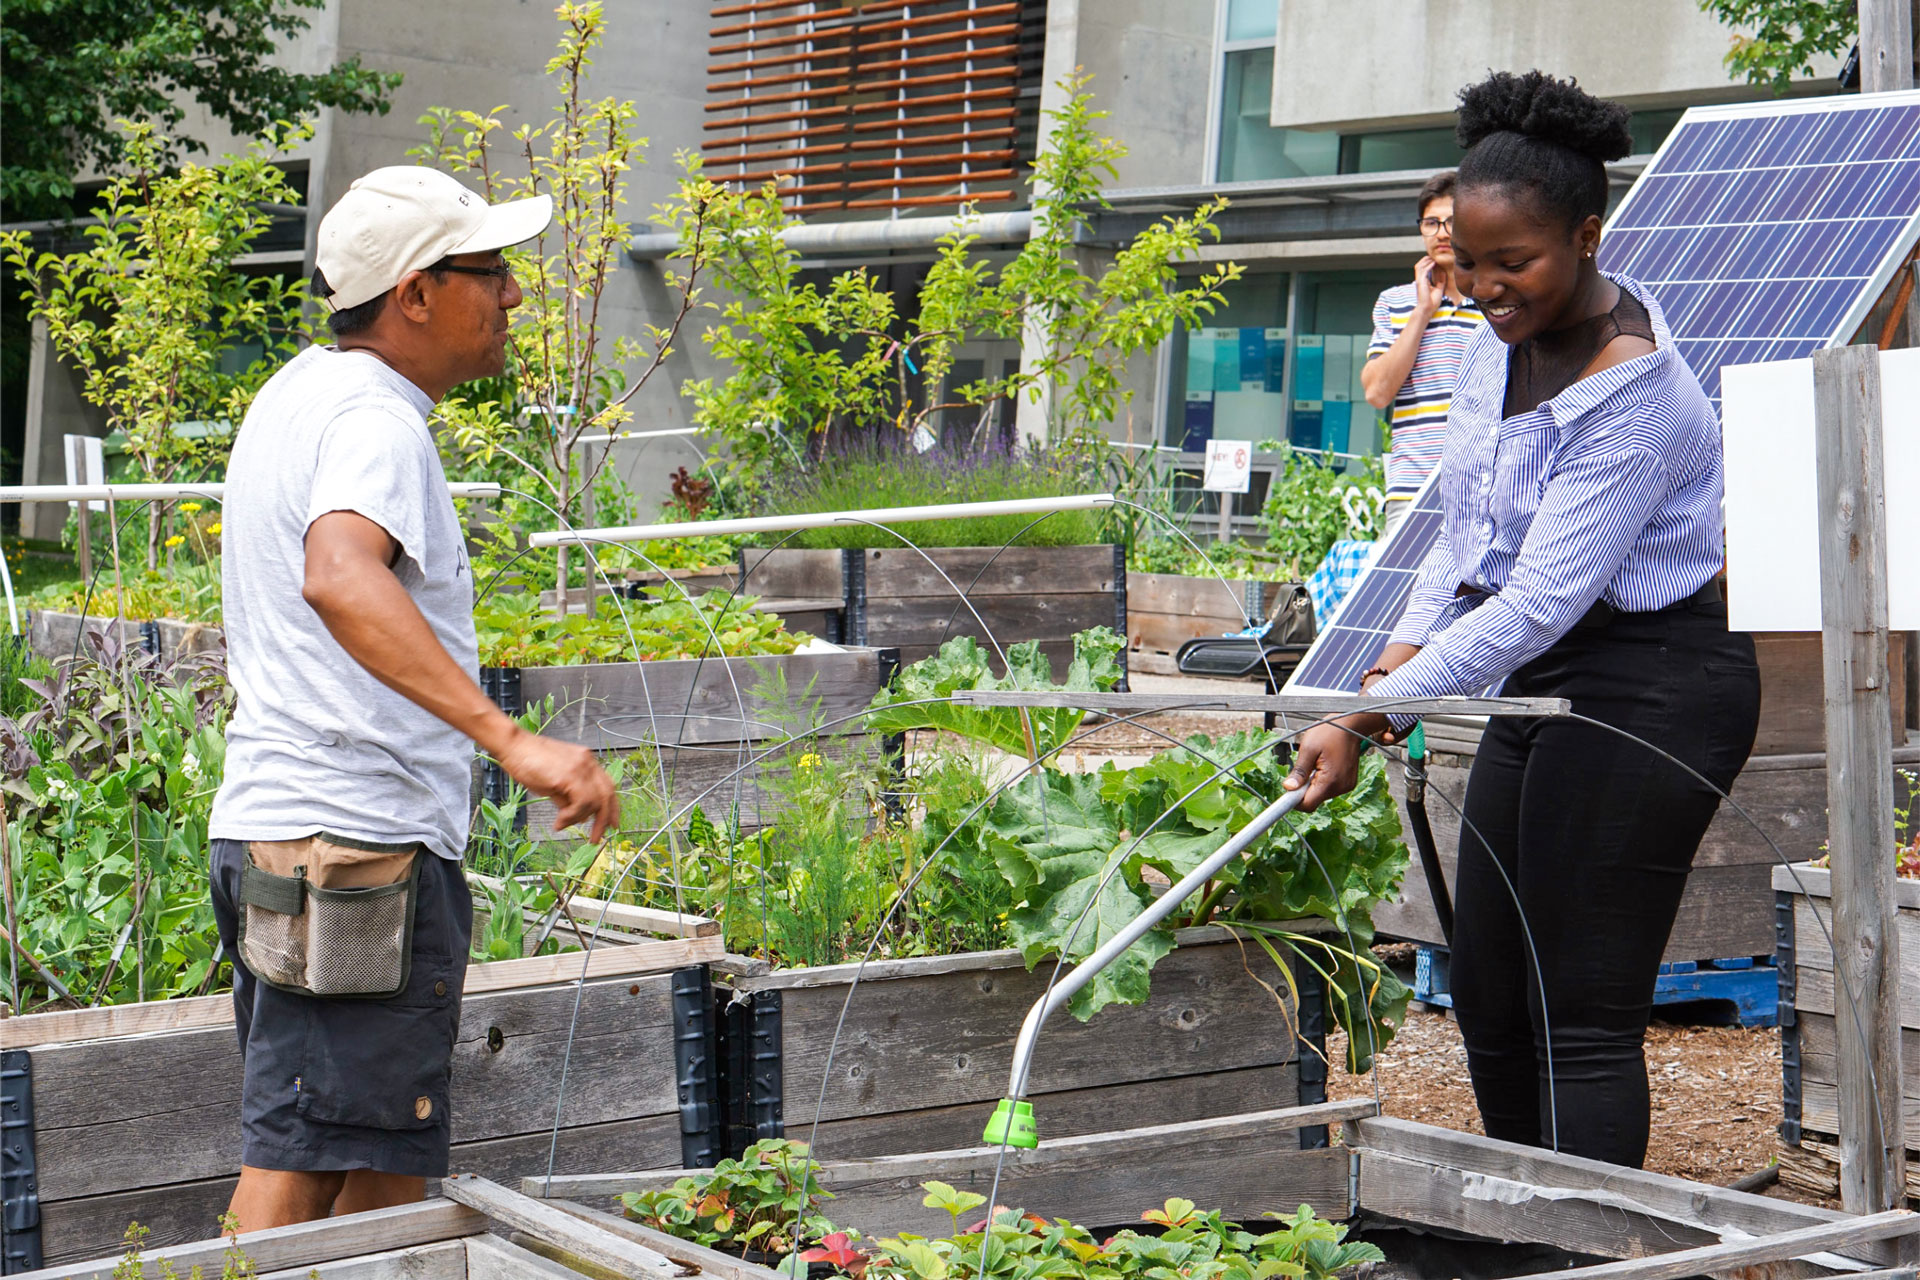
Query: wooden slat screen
point(899, 105)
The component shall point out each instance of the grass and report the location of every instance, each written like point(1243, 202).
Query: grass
point(895, 477)
point(34, 565)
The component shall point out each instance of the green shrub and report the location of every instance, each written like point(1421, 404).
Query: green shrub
point(892, 477)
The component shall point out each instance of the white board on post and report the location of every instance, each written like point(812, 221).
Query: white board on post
point(86, 464)
point(1229, 466)
point(1773, 543)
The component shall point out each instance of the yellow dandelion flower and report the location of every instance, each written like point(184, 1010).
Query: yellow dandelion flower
point(214, 527)
point(189, 507)
point(175, 540)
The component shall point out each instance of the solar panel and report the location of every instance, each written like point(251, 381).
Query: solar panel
point(1348, 643)
point(1766, 231)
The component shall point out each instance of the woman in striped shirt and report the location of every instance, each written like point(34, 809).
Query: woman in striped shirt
point(1578, 559)
point(1420, 332)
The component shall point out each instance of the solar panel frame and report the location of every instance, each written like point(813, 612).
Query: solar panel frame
point(1703, 166)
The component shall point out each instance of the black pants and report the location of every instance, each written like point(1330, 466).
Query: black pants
point(1596, 835)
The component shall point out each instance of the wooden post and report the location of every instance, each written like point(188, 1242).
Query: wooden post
point(1850, 474)
point(1886, 45)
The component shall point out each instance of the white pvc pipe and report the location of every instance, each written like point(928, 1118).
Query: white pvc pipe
point(822, 520)
point(6, 580)
point(30, 493)
point(617, 436)
point(1168, 902)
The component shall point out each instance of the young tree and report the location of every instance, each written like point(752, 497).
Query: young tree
point(70, 68)
point(1787, 36)
point(151, 311)
point(804, 359)
point(565, 380)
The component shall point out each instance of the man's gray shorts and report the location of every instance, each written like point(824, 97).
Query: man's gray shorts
point(352, 1084)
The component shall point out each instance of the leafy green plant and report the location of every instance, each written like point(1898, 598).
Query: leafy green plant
point(1304, 515)
point(1234, 561)
point(1185, 1244)
point(767, 1200)
point(178, 314)
point(120, 764)
point(1787, 36)
point(568, 377)
point(892, 476)
point(961, 664)
point(189, 592)
point(515, 631)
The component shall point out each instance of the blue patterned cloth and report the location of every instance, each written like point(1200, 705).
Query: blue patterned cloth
point(1346, 560)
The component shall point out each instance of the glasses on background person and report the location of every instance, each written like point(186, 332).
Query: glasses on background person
point(1435, 226)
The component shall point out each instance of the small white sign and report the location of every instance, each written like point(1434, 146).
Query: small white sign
point(1229, 466)
point(1772, 511)
point(86, 464)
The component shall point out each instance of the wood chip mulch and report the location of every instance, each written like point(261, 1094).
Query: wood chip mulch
point(1715, 1093)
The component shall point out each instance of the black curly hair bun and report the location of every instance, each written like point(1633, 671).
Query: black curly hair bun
point(1542, 135)
point(1540, 106)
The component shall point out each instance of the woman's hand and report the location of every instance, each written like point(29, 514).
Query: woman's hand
point(1327, 759)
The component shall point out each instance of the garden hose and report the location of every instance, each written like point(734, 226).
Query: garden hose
point(1423, 830)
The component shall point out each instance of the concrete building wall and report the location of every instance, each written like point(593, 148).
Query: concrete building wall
point(1381, 64)
point(469, 56)
point(1152, 66)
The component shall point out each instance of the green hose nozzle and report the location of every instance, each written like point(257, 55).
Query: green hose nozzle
point(1012, 1125)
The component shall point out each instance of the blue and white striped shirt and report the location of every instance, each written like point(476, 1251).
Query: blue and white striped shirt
point(1609, 491)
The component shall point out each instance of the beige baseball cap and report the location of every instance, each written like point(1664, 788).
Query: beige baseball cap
point(406, 217)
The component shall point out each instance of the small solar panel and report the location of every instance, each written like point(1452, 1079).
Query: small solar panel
point(1765, 231)
point(1349, 642)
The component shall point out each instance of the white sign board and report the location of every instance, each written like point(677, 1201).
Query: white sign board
point(1229, 466)
point(1773, 527)
point(86, 464)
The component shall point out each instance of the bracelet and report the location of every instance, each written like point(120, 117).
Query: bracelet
point(1374, 671)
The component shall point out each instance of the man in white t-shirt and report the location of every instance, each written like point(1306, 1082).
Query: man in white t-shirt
point(348, 600)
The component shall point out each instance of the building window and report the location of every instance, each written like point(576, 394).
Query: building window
point(1250, 147)
point(1399, 149)
point(1247, 146)
point(1280, 362)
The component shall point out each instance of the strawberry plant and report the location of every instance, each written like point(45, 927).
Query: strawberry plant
point(767, 1200)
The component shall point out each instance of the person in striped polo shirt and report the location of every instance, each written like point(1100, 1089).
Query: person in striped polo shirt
point(1420, 332)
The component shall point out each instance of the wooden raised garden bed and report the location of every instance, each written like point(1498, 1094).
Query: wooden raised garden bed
point(132, 1112)
point(1809, 1050)
point(1165, 610)
point(927, 1043)
point(478, 1230)
point(1479, 1192)
point(893, 596)
point(55, 635)
point(703, 717)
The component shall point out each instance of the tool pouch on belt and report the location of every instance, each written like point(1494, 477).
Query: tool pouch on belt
point(329, 916)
